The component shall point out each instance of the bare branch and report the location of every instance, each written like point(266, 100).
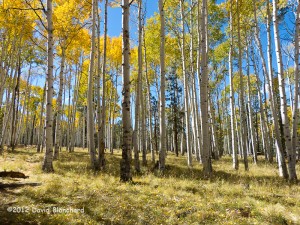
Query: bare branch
point(131, 2)
point(43, 9)
point(23, 9)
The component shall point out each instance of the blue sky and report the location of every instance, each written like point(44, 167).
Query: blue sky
point(115, 17)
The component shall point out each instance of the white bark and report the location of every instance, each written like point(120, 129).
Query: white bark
point(48, 158)
point(101, 143)
point(206, 157)
point(186, 88)
point(283, 105)
point(232, 109)
point(90, 106)
point(162, 147)
point(59, 106)
point(296, 93)
point(138, 92)
point(125, 174)
point(251, 125)
point(243, 119)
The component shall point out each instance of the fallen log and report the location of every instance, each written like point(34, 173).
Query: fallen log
point(13, 174)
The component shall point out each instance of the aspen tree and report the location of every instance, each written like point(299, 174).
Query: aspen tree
point(125, 173)
point(90, 106)
point(162, 147)
point(206, 157)
point(59, 105)
point(283, 105)
point(296, 78)
point(48, 158)
point(241, 98)
point(232, 109)
point(186, 88)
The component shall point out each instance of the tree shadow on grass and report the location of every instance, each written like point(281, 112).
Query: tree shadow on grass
point(79, 163)
point(27, 152)
point(179, 172)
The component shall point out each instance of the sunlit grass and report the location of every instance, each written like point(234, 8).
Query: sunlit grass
point(179, 196)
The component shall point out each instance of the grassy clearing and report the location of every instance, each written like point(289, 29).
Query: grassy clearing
point(179, 196)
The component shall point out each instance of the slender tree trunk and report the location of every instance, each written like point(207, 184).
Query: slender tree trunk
point(269, 78)
point(90, 106)
point(162, 150)
point(47, 164)
point(149, 103)
point(192, 83)
point(278, 142)
point(214, 135)
point(143, 131)
point(125, 174)
point(232, 109)
point(243, 120)
point(103, 123)
point(140, 70)
point(186, 88)
point(199, 119)
point(113, 119)
point(206, 158)
point(41, 127)
point(263, 116)
point(15, 106)
point(251, 127)
point(74, 110)
point(59, 106)
point(138, 92)
point(283, 106)
point(296, 93)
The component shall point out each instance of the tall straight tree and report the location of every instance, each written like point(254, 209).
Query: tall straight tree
point(283, 105)
point(296, 98)
point(241, 97)
point(125, 173)
point(251, 125)
point(162, 149)
point(101, 145)
point(59, 104)
point(186, 87)
point(48, 158)
point(138, 94)
point(90, 106)
point(269, 78)
point(206, 157)
point(232, 113)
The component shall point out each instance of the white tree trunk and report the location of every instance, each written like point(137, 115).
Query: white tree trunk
point(206, 157)
point(162, 147)
point(296, 93)
point(138, 92)
point(59, 105)
point(48, 158)
point(243, 119)
point(283, 106)
point(101, 144)
point(90, 106)
point(186, 88)
point(125, 174)
point(251, 125)
point(232, 109)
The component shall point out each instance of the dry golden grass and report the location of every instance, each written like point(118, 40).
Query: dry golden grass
point(179, 196)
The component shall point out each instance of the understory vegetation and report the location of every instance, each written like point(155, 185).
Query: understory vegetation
point(180, 195)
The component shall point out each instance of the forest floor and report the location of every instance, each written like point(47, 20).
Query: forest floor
point(179, 196)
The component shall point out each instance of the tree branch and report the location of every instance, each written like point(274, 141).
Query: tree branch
point(43, 9)
point(23, 9)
